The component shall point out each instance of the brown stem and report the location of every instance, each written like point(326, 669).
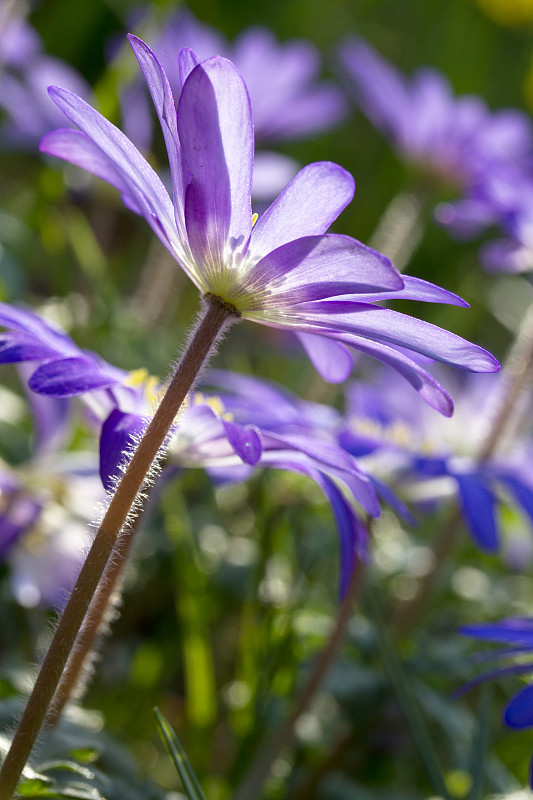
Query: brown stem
point(281, 736)
point(79, 663)
point(216, 316)
point(516, 377)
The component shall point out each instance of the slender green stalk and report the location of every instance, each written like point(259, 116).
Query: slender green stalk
point(216, 317)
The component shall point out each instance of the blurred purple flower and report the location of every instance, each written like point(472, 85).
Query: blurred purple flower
point(430, 458)
point(46, 503)
point(284, 270)
point(456, 139)
point(227, 442)
point(25, 74)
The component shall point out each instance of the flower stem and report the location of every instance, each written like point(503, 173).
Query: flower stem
point(281, 736)
point(216, 317)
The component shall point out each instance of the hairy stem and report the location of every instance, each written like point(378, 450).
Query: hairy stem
point(215, 318)
point(281, 736)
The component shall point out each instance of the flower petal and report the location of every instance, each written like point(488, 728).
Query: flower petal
point(307, 206)
point(69, 377)
point(319, 267)
point(76, 147)
point(138, 176)
point(165, 106)
point(118, 434)
point(479, 507)
point(332, 360)
point(216, 134)
point(245, 440)
point(519, 712)
point(385, 325)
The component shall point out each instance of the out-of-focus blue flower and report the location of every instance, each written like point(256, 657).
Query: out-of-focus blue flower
point(227, 441)
point(456, 139)
point(516, 634)
point(429, 459)
point(282, 270)
point(25, 74)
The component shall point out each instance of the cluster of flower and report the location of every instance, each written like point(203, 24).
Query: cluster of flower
point(282, 270)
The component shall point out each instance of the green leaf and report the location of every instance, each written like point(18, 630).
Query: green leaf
point(181, 762)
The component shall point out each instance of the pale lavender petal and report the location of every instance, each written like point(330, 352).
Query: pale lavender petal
point(138, 176)
point(79, 149)
point(332, 360)
point(422, 381)
point(424, 291)
point(310, 203)
point(385, 325)
point(165, 106)
point(318, 267)
point(216, 134)
point(187, 61)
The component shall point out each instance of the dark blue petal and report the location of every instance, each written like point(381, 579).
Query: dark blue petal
point(479, 509)
point(519, 712)
point(69, 377)
point(119, 432)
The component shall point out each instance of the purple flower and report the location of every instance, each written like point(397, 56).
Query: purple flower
point(284, 270)
point(431, 459)
point(282, 79)
point(25, 73)
point(46, 503)
point(455, 138)
point(226, 441)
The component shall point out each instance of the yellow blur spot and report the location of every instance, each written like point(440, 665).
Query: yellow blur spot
point(215, 403)
point(508, 12)
point(153, 391)
point(459, 783)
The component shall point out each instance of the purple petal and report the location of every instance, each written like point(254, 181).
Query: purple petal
point(79, 149)
point(479, 507)
point(187, 61)
point(332, 360)
point(318, 267)
point(216, 134)
point(519, 712)
point(517, 630)
point(16, 347)
point(119, 432)
point(138, 176)
point(307, 206)
point(69, 377)
point(165, 106)
point(245, 440)
point(424, 291)
point(385, 325)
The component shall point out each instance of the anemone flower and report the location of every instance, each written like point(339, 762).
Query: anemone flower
point(457, 139)
point(430, 460)
point(283, 270)
point(229, 442)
